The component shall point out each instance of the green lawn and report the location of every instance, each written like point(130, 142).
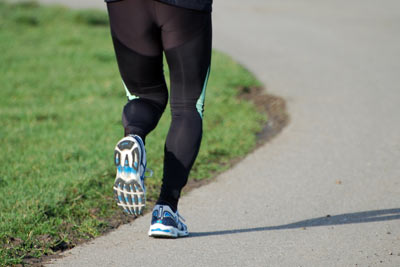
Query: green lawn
point(60, 106)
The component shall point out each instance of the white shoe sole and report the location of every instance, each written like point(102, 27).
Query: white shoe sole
point(128, 190)
point(160, 230)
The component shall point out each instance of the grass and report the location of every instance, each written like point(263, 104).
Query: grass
point(60, 106)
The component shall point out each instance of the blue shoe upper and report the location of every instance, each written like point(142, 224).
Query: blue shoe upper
point(142, 159)
point(164, 215)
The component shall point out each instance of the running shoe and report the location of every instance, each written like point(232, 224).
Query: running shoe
point(129, 189)
point(166, 223)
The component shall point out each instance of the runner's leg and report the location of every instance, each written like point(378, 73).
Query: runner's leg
point(186, 39)
point(186, 36)
point(138, 48)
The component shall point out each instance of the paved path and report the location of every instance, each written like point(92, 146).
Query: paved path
point(337, 63)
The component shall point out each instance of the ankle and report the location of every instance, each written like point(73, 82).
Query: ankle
point(174, 208)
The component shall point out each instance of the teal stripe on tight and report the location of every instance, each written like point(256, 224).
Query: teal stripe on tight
point(128, 94)
point(200, 101)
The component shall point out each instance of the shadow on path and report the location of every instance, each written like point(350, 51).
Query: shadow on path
point(347, 218)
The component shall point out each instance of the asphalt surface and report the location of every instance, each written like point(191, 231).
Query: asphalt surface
point(326, 191)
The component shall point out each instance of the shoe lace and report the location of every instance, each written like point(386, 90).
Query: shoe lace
point(180, 216)
point(148, 173)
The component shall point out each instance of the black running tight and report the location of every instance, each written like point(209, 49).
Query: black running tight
point(142, 30)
